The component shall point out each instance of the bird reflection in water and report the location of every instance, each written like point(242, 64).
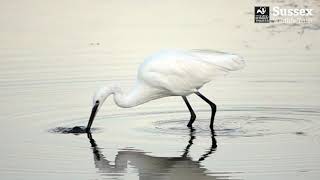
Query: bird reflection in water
point(152, 167)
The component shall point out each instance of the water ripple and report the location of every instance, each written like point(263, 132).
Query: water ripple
point(248, 122)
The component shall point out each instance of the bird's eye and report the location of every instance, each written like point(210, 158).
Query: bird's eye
point(97, 102)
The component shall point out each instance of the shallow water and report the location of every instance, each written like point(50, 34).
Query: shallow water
point(267, 125)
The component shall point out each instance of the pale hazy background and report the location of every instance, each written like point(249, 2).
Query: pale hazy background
point(54, 54)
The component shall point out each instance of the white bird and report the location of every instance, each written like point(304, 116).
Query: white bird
point(171, 73)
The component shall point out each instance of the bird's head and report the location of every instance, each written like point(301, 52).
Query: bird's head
point(99, 98)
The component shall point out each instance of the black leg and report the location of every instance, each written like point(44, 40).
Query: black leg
point(212, 105)
point(193, 115)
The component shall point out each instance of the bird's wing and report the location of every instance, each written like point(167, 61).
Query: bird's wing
point(183, 72)
point(226, 61)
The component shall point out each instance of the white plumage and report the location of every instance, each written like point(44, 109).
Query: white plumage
point(178, 72)
point(171, 73)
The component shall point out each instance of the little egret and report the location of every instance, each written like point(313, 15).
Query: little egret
point(171, 73)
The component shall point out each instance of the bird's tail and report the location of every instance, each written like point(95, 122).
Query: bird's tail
point(226, 61)
point(234, 62)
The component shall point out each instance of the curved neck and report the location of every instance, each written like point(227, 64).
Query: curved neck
point(120, 98)
point(138, 95)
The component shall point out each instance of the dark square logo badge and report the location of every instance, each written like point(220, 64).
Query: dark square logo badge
point(261, 14)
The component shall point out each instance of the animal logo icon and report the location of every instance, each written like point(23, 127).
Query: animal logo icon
point(261, 10)
point(261, 14)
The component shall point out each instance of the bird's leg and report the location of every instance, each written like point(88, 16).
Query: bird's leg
point(212, 105)
point(193, 115)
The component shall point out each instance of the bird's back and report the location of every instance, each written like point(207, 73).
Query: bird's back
point(179, 72)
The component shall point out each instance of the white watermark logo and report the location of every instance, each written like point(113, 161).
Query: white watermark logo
point(262, 10)
point(283, 15)
point(277, 11)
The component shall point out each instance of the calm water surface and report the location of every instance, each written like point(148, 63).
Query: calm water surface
point(268, 120)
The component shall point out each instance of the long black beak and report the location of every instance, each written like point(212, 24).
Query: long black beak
point(93, 114)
